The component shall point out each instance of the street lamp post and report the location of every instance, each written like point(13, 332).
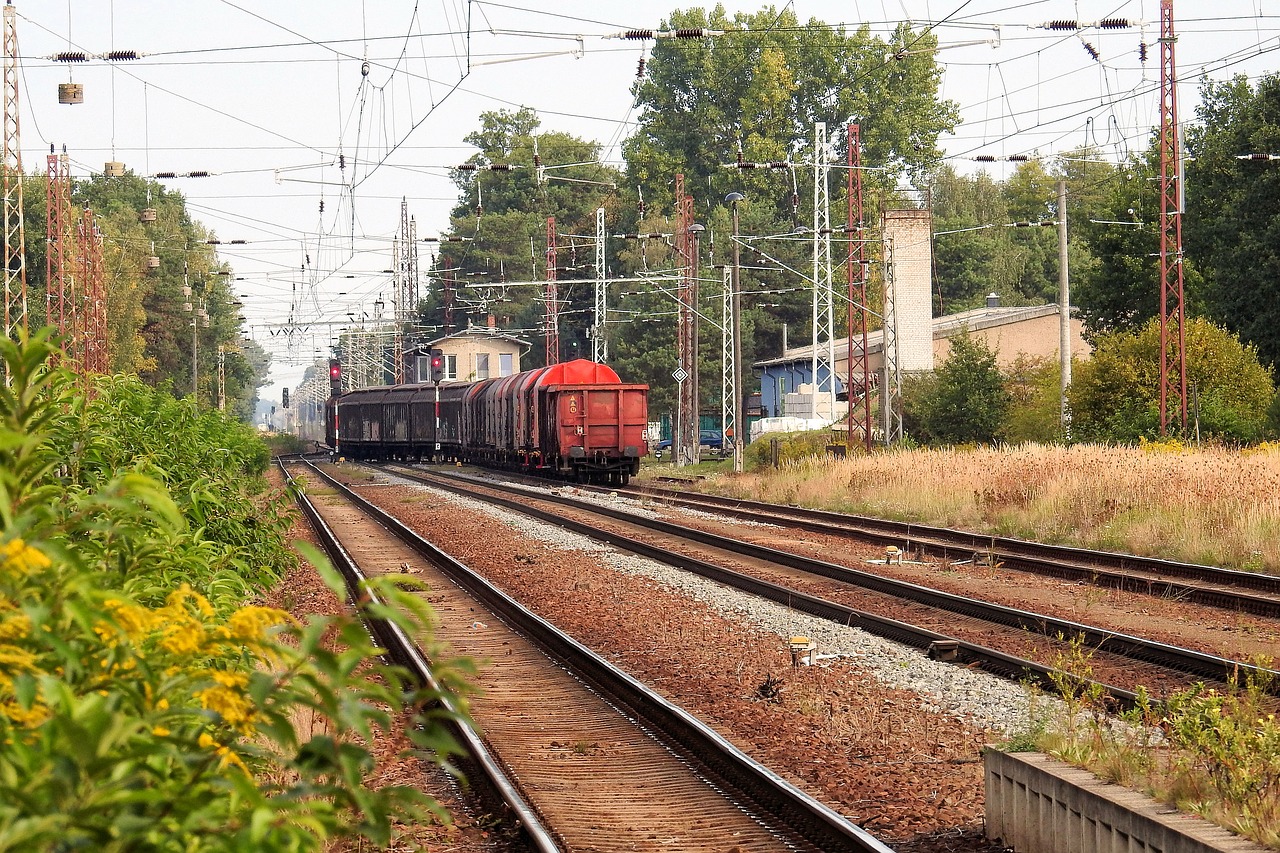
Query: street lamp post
point(735, 303)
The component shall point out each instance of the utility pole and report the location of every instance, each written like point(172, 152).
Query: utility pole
point(891, 382)
point(1173, 377)
point(856, 348)
point(551, 298)
point(684, 441)
point(823, 357)
point(1064, 306)
point(728, 379)
point(60, 299)
point(735, 301)
point(599, 342)
point(15, 239)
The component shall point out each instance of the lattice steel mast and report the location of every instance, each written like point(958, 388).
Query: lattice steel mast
point(824, 344)
point(15, 238)
point(599, 340)
point(60, 292)
point(551, 298)
point(856, 379)
point(1173, 365)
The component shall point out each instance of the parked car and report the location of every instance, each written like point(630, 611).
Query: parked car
point(706, 438)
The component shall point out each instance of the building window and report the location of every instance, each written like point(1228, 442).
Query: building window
point(424, 368)
point(482, 365)
point(451, 366)
point(504, 364)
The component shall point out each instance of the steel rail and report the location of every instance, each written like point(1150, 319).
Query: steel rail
point(731, 769)
point(1192, 662)
point(487, 775)
point(1150, 575)
point(941, 646)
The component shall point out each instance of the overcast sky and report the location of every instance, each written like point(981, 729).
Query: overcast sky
point(265, 95)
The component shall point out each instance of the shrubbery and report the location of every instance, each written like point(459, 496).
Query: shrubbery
point(145, 702)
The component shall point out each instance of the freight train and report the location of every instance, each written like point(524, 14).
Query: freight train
point(575, 420)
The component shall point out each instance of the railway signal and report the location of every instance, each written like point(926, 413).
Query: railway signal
point(437, 365)
point(335, 377)
point(284, 398)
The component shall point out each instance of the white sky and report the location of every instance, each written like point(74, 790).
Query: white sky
point(264, 95)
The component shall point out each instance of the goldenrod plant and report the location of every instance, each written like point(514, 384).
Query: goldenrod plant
point(146, 701)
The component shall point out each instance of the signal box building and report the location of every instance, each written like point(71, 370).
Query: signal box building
point(475, 353)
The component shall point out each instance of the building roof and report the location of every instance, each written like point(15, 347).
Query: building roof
point(943, 327)
point(479, 332)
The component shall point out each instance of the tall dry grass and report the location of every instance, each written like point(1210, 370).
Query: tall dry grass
point(1215, 506)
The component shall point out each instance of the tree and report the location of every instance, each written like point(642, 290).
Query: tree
point(503, 215)
point(1035, 395)
point(1232, 227)
point(967, 401)
point(1114, 396)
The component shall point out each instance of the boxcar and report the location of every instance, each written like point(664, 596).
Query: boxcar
point(574, 419)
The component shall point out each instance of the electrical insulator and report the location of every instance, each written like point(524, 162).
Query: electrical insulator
point(640, 68)
point(166, 175)
point(284, 398)
point(237, 242)
point(635, 35)
point(71, 56)
point(779, 164)
point(1062, 25)
point(468, 167)
point(364, 68)
point(1090, 48)
point(1113, 23)
point(342, 162)
point(985, 158)
point(500, 167)
point(1018, 158)
point(120, 55)
point(199, 174)
point(1142, 52)
point(322, 205)
point(694, 33)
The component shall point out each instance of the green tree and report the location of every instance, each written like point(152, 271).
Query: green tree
point(1035, 393)
point(503, 216)
point(1232, 227)
point(967, 401)
point(1114, 396)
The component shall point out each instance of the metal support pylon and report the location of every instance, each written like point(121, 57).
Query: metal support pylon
point(59, 293)
point(93, 311)
point(599, 340)
point(824, 345)
point(728, 425)
point(15, 245)
point(551, 298)
point(857, 382)
point(685, 443)
point(1173, 355)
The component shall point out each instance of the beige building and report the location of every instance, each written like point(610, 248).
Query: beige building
point(474, 353)
point(1009, 331)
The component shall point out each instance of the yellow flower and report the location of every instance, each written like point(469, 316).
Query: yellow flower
point(160, 731)
point(206, 741)
point(15, 627)
point(27, 718)
point(15, 659)
point(227, 700)
point(134, 620)
point(163, 705)
point(183, 636)
point(248, 624)
point(18, 558)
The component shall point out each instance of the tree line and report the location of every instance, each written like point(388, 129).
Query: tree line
point(753, 95)
point(149, 329)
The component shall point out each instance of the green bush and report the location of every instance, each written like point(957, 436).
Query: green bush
point(145, 704)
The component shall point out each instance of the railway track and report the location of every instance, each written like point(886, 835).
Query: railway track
point(1242, 592)
point(583, 756)
point(1162, 655)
